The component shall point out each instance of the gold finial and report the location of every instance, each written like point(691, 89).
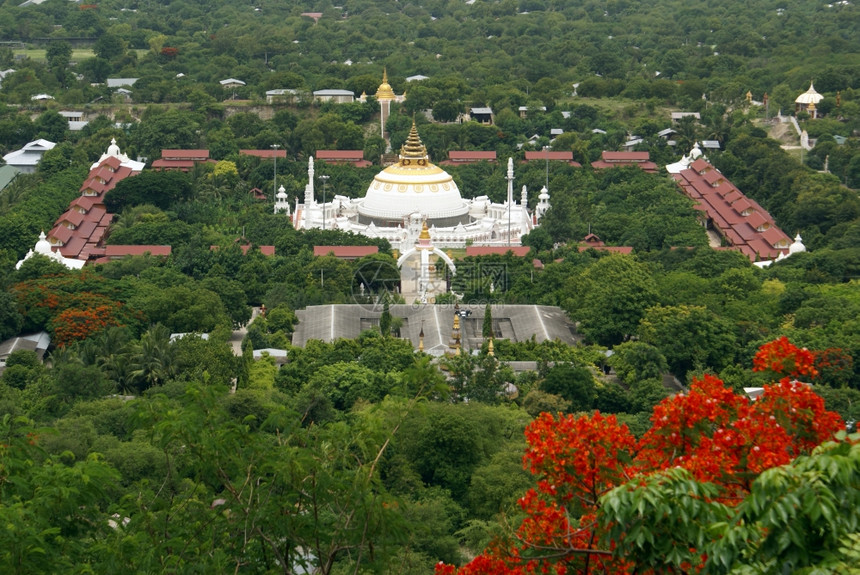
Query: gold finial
point(425, 232)
point(413, 148)
point(384, 92)
point(421, 337)
point(490, 351)
point(454, 345)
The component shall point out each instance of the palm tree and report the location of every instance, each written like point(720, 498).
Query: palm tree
point(153, 358)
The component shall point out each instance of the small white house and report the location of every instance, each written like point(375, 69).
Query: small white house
point(27, 158)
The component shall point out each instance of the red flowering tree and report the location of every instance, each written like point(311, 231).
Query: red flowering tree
point(607, 503)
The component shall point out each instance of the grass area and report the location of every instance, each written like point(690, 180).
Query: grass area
point(78, 54)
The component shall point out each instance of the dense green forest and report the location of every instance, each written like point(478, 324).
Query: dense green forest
point(127, 450)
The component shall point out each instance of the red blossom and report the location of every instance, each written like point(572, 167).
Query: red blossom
point(718, 435)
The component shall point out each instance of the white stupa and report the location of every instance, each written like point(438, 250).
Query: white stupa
point(113, 151)
point(43, 248)
point(413, 192)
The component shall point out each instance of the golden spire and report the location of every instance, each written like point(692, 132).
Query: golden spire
point(413, 151)
point(425, 233)
point(490, 348)
point(421, 337)
point(454, 344)
point(384, 92)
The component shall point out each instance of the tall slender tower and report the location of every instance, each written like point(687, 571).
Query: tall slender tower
point(384, 95)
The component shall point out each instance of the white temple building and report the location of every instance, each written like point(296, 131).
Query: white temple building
point(43, 248)
point(413, 192)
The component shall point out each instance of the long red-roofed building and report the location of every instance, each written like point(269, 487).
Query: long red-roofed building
point(80, 231)
point(354, 157)
point(459, 157)
point(181, 160)
point(742, 222)
point(549, 156)
point(641, 160)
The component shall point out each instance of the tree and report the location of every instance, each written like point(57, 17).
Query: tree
point(689, 337)
point(11, 320)
point(59, 54)
point(161, 189)
point(487, 327)
point(606, 502)
point(385, 320)
point(50, 508)
point(614, 293)
point(109, 47)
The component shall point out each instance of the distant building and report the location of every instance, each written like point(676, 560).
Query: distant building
point(79, 233)
point(353, 157)
point(114, 83)
point(742, 223)
point(483, 115)
point(181, 160)
point(550, 156)
point(641, 160)
point(459, 157)
point(676, 116)
point(808, 102)
point(336, 96)
point(280, 95)
point(35, 342)
point(27, 158)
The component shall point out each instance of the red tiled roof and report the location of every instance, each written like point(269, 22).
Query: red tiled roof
point(519, 251)
point(196, 155)
point(754, 234)
point(86, 203)
point(757, 221)
point(96, 214)
point(560, 156)
point(72, 217)
point(345, 252)
point(625, 156)
point(184, 165)
point(354, 157)
point(73, 248)
point(93, 184)
point(340, 155)
point(111, 162)
point(61, 234)
point(470, 156)
point(86, 229)
point(700, 166)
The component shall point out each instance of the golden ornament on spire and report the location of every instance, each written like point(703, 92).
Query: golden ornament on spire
point(413, 152)
point(384, 92)
point(425, 232)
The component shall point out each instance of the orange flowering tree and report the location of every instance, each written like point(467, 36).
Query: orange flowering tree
point(73, 306)
point(606, 502)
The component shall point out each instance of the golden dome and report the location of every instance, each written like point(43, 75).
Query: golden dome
point(413, 184)
point(384, 92)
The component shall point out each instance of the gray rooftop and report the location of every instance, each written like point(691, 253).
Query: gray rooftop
point(514, 322)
